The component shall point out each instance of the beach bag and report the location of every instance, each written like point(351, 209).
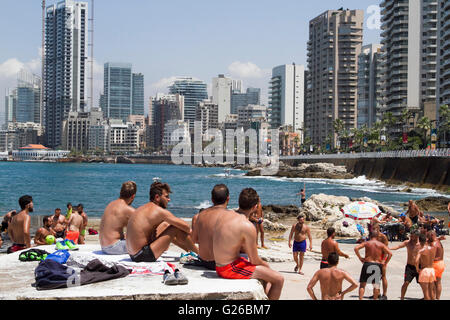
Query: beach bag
point(59, 256)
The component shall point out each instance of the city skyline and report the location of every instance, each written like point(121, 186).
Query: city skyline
point(246, 47)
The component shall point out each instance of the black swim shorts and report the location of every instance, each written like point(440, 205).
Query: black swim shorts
point(324, 264)
point(371, 273)
point(144, 255)
point(411, 273)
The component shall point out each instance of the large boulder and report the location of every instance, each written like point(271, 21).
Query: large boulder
point(323, 206)
point(274, 212)
point(432, 204)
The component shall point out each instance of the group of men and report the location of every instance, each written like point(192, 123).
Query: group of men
point(17, 224)
point(425, 262)
point(224, 237)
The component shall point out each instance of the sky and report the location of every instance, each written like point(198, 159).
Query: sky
point(167, 39)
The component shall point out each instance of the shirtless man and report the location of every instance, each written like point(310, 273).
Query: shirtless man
point(372, 263)
point(257, 219)
point(19, 227)
point(331, 279)
point(413, 212)
point(438, 264)
point(329, 245)
point(424, 263)
point(59, 224)
point(233, 231)
point(80, 209)
point(412, 248)
point(76, 225)
point(152, 228)
point(300, 231)
point(203, 225)
point(406, 221)
point(384, 240)
point(302, 193)
point(42, 233)
point(115, 219)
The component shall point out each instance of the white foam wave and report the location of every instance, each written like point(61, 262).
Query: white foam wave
point(204, 205)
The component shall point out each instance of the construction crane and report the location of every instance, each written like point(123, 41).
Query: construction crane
point(41, 114)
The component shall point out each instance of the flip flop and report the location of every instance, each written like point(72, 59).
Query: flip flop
point(169, 279)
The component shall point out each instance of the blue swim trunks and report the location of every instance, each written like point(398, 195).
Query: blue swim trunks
point(299, 246)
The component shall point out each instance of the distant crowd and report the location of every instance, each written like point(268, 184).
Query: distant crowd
point(226, 241)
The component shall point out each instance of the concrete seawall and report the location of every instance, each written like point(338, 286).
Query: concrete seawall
point(430, 172)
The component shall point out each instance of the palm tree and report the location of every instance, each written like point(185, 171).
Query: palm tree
point(444, 121)
point(338, 127)
point(425, 125)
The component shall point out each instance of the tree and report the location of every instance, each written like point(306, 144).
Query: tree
point(338, 127)
point(424, 124)
point(444, 121)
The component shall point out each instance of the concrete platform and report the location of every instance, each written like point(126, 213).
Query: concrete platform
point(17, 279)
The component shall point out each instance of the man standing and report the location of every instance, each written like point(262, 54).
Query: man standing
point(115, 219)
point(152, 228)
point(19, 227)
point(80, 209)
point(257, 219)
point(59, 224)
point(412, 248)
point(384, 240)
point(300, 231)
point(302, 193)
point(203, 225)
point(331, 279)
point(424, 263)
point(329, 245)
point(372, 264)
point(42, 233)
point(233, 232)
point(413, 212)
point(438, 264)
point(75, 226)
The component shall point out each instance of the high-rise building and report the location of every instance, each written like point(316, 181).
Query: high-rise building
point(242, 99)
point(123, 91)
point(207, 113)
point(369, 85)
point(28, 98)
point(65, 65)
point(444, 53)
point(138, 94)
point(250, 114)
point(221, 95)
point(409, 40)
point(194, 91)
point(10, 106)
point(76, 129)
point(335, 42)
point(286, 96)
point(165, 107)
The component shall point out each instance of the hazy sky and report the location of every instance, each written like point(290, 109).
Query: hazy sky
point(242, 39)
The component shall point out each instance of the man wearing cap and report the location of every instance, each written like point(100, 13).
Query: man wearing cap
point(406, 221)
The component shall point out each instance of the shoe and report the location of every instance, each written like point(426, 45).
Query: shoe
point(72, 246)
point(296, 269)
point(169, 278)
point(181, 278)
point(61, 245)
point(383, 298)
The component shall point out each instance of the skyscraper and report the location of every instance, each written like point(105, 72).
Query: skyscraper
point(65, 65)
point(369, 85)
point(123, 91)
point(28, 107)
point(409, 40)
point(335, 41)
point(165, 107)
point(242, 99)
point(286, 96)
point(444, 53)
point(221, 95)
point(194, 91)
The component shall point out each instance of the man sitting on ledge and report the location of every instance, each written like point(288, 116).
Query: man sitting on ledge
point(233, 231)
point(115, 219)
point(152, 228)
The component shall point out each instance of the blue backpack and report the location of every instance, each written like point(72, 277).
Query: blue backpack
point(60, 256)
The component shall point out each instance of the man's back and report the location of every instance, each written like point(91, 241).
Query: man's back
point(114, 220)
point(203, 231)
point(427, 255)
point(17, 228)
point(76, 222)
point(228, 236)
point(374, 251)
point(328, 246)
point(330, 282)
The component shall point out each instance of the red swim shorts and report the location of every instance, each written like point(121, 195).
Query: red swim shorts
point(239, 269)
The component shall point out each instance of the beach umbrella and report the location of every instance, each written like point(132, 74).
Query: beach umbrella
point(360, 210)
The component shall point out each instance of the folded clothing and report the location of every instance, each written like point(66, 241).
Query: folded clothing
point(50, 274)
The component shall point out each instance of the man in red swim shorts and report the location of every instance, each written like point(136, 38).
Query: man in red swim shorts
point(233, 232)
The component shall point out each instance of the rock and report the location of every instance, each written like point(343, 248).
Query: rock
point(305, 170)
point(432, 204)
point(278, 212)
point(273, 226)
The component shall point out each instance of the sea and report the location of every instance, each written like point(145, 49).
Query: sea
point(53, 185)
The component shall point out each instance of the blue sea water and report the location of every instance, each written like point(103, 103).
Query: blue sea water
point(52, 185)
